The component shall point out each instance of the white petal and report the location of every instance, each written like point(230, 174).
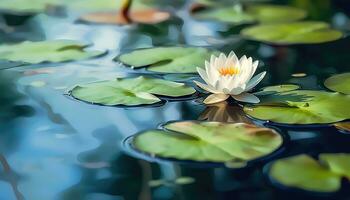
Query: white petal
point(246, 97)
point(237, 90)
point(203, 75)
point(255, 81)
point(206, 87)
point(216, 98)
point(233, 56)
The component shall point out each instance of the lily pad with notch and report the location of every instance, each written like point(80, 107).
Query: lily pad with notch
point(208, 142)
point(130, 91)
point(263, 13)
point(301, 107)
point(339, 83)
point(167, 59)
point(46, 51)
point(305, 32)
point(305, 173)
point(276, 89)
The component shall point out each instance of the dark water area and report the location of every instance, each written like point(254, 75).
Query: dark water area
point(55, 147)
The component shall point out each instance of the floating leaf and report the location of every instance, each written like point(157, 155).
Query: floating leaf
point(253, 13)
point(343, 126)
point(209, 141)
point(303, 172)
point(46, 51)
point(339, 83)
point(277, 88)
point(26, 7)
point(168, 59)
point(147, 16)
point(306, 32)
point(338, 163)
point(130, 91)
point(302, 107)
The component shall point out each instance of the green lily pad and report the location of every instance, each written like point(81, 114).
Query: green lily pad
point(301, 107)
point(46, 51)
point(209, 141)
point(303, 172)
point(26, 7)
point(337, 163)
point(167, 59)
point(130, 91)
point(277, 89)
point(339, 83)
point(253, 13)
point(306, 32)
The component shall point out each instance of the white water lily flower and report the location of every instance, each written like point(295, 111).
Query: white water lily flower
point(228, 76)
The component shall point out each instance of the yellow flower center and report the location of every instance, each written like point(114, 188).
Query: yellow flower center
point(228, 71)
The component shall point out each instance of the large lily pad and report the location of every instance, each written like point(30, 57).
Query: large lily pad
point(337, 163)
point(26, 7)
point(253, 13)
point(306, 32)
point(130, 91)
point(209, 141)
point(303, 172)
point(277, 88)
point(302, 107)
point(339, 83)
point(46, 51)
point(306, 173)
point(167, 59)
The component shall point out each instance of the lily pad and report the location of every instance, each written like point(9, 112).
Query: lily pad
point(339, 83)
point(130, 91)
point(26, 7)
point(343, 126)
point(209, 141)
point(46, 51)
point(304, 172)
point(337, 163)
point(167, 59)
point(306, 32)
point(277, 88)
point(301, 107)
point(147, 16)
point(252, 14)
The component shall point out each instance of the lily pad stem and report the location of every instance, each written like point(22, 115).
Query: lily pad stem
point(125, 10)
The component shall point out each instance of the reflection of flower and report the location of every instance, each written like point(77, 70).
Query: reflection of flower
point(228, 76)
point(223, 112)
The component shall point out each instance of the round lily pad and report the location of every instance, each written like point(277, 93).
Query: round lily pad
point(130, 91)
point(301, 107)
point(46, 51)
point(209, 141)
point(277, 88)
point(26, 7)
point(146, 16)
point(305, 173)
point(167, 59)
point(253, 13)
point(306, 32)
point(339, 83)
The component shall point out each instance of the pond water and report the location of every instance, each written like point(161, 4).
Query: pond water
point(56, 147)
